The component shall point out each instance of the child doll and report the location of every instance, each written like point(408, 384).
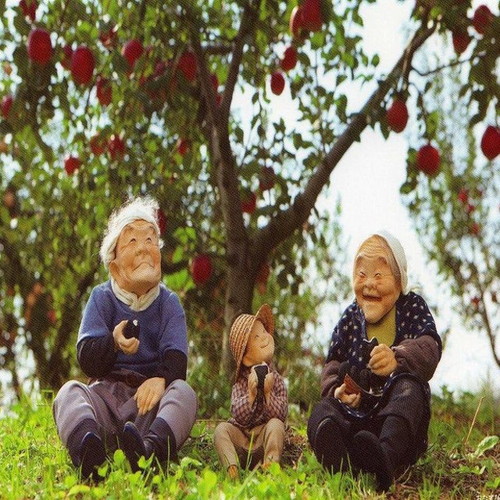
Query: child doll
point(259, 403)
point(375, 409)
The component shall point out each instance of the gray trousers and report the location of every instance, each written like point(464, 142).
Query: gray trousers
point(111, 403)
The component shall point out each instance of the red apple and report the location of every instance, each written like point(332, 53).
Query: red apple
point(490, 142)
point(470, 208)
point(289, 59)
point(72, 164)
point(82, 65)
point(311, 15)
point(201, 269)
point(39, 46)
point(297, 22)
point(131, 51)
point(277, 83)
point(248, 203)
point(482, 19)
point(461, 40)
point(103, 90)
point(428, 160)
point(66, 57)
point(474, 229)
point(397, 115)
point(28, 8)
point(267, 178)
point(463, 196)
point(183, 146)
point(7, 101)
point(162, 220)
point(188, 66)
point(97, 145)
point(116, 147)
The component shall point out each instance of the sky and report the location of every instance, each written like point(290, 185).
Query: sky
point(367, 181)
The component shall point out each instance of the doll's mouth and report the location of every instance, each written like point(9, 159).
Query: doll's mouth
point(371, 298)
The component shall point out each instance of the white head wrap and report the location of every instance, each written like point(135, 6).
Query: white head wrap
point(137, 209)
point(399, 256)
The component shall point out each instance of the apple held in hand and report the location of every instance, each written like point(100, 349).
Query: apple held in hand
point(397, 115)
point(39, 46)
point(201, 269)
point(82, 65)
point(428, 160)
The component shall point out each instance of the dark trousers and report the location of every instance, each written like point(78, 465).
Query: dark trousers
point(405, 398)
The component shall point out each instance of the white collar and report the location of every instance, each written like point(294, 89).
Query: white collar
point(132, 300)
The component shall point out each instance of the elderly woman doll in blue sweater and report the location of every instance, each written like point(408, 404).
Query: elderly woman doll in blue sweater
point(132, 345)
point(375, 409)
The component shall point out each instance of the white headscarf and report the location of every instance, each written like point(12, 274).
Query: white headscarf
point(399, 256)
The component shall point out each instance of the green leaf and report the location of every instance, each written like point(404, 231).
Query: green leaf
point(488, 443)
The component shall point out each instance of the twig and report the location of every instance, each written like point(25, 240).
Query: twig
point(473, 421)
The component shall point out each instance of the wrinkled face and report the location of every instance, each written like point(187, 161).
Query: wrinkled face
point(136, 267)
point(260, 346)
point(375, 286)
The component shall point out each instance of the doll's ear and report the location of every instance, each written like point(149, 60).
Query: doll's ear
point(114, 269)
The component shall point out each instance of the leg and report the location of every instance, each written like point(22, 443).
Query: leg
point(392, 449)
point(329, 433)
point(77, 426)
point(273, 435)
point(229, 442)
point(163, 430)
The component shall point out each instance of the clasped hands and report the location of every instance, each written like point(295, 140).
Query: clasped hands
point(382, 362)
point(253, 382)
point(151, 390)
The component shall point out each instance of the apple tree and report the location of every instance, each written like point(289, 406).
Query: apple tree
point(455, 211)
point(188, 102)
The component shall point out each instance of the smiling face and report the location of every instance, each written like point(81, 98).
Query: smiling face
point(136, 267)
point(260, 346)
point(375, 286)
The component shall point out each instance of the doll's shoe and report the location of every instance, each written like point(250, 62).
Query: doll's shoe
point(92, 454)
point(329, 447)
point(370, 456)
point(134, 446)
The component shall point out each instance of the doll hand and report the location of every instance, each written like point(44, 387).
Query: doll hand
point(382, 360)
point(149, 393)
point(253, 381)
point(352, 400)
point(268, 386)
point(127, 346)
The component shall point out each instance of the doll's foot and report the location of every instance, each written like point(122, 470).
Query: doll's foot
point(134, 446)
point(92, 455)
point(330, 448)
point(233, 472)
point(371, 457)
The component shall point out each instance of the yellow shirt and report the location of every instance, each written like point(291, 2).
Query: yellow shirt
point(384, 330)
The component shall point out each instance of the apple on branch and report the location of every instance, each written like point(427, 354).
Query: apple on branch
point(428, 160)
point(40, 48)
point(201, 269)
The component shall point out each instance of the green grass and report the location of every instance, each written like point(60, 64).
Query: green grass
point(463, 461)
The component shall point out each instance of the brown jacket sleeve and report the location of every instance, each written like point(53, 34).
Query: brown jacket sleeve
point(329, 378)
point(419, 356)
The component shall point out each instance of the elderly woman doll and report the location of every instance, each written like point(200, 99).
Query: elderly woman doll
point(132, 344)
point(259, 402)
point(375, 409)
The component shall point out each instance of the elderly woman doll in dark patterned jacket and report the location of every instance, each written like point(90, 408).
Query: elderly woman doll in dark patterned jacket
point(259, 401)
point(375, 408)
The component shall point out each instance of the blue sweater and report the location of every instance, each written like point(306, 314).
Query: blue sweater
point(162, 324)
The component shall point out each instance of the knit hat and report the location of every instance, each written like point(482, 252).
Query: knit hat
point(240, 331)
point(137, 209)
point(399, 255)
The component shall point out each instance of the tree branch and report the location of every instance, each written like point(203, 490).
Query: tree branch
point(283, 225)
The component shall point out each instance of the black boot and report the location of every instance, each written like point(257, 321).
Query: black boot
point(329, 447)
point(386, 454)
point(86, 449)
point(134, 445)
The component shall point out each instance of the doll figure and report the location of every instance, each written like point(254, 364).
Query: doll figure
point(375, 410)
point(259, 402)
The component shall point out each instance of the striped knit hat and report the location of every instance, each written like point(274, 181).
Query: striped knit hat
point(240, 331)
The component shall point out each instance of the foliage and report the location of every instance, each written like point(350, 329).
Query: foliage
point(232, 129)
point(456, 214)
point(33, 463)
